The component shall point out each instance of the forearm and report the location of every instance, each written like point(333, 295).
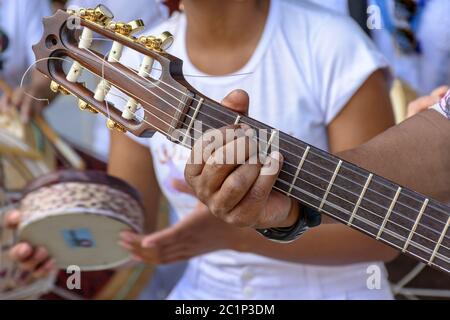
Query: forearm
point(329, 244)
point(133, 163)
point(414, 154)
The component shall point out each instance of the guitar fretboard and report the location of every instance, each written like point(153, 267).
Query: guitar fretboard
point(397, 216)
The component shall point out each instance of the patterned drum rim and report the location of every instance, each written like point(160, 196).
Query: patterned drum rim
point(89, 176)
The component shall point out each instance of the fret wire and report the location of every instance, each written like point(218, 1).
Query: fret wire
point(330, 185)
point(438, 245)
point(351, 169)
point(191, 123)
point(363, 192)
point(419, 216)
point(321, 157)
point(270, 142)
point(299, 168)
point(238, 119)
point(389, 212)
point(368, 222)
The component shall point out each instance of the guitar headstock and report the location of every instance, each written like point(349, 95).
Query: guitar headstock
point(70, 35)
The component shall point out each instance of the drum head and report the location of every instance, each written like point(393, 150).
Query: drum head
point(80, 238)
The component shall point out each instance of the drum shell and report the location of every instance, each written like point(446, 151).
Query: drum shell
point(78, 216)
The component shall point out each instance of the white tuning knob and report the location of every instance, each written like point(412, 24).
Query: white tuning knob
point(144, 71)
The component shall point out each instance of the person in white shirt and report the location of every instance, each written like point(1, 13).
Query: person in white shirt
point(428, 26)
point(310, 73)
point(20, 28)
point(297, 49)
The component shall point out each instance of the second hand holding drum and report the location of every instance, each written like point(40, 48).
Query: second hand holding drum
point(78, 215)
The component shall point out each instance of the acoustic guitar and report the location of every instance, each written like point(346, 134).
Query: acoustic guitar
point(406, 220)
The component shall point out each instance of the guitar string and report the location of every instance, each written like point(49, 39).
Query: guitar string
point(290, 174)
point(433, 242)
point(303, 149)
point(413, 243)
point(327, 181)
point(351, 203)
point(320, 156)
point(347, 190)
point(289, 142)
point(362, 219)
point(282, 181)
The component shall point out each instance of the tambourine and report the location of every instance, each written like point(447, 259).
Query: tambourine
point(78, 215)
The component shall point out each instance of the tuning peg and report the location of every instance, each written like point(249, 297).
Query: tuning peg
point(112, 125)
point(100, 14)
point(161, 43)
point(84, 106)
point(57, 88)
point(127, 29)
point(166, 39)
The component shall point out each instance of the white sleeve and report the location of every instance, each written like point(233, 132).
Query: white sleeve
point(36, 11)
point(131, 59)
point(344, 58)
point(443, 107)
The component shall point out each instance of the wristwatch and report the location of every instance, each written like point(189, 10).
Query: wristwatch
point(307, 219)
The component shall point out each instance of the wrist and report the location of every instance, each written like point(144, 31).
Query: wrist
point(293, 215)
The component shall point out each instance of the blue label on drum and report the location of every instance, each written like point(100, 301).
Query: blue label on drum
point(78, 238)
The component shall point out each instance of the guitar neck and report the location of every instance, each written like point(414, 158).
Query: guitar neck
point(381, 209)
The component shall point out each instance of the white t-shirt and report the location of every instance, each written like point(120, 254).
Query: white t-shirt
point(306, 67)
point(152, 13)
point(21, 22)
point(423, 72)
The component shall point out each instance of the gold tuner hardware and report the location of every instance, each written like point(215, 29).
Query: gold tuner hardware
point(101, 15)
point(57, 88)
point(112, 125)
point(84, 106)
point(161, 43)
point(127, 29)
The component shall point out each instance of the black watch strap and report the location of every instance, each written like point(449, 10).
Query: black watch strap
point(308, 218)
